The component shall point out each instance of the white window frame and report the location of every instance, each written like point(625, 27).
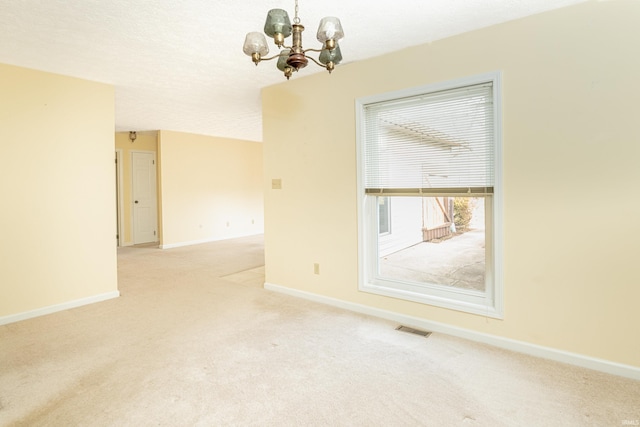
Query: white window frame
point(490, 303)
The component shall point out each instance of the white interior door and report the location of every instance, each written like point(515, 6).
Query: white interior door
point(145, 211)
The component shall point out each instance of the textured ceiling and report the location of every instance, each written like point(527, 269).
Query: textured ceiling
point(179, 65)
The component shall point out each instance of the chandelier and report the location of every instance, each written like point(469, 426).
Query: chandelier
point(293, 58)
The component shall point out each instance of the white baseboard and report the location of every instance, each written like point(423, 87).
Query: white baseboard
point(583, 361)
point(58, 307)
point(209, 240)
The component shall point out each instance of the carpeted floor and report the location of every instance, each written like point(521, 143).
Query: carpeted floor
point(195, 340)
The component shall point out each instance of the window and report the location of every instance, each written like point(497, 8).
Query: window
point(429, 178)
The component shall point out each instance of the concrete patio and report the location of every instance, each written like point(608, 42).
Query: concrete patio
point(457, 261)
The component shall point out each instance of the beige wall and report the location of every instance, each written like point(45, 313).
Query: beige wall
point(57, 190)
point(145, 141)
point(571, 150)
point(211, 188)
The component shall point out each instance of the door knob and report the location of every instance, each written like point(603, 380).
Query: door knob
point(136, 201)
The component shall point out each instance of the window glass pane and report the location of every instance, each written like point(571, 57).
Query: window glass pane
point(444, 246)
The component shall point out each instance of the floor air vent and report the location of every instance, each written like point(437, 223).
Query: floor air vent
point(413, 331)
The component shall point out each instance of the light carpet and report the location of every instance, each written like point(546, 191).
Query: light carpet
point(194, 340)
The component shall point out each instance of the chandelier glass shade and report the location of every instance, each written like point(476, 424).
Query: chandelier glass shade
point(292, 58)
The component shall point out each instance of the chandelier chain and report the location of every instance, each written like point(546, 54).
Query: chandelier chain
point(296, 19)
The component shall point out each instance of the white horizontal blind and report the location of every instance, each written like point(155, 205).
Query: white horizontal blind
point(436, 142)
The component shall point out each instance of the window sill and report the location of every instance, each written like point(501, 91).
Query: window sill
point(475, 304)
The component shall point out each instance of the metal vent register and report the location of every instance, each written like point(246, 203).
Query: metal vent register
point(413, 331)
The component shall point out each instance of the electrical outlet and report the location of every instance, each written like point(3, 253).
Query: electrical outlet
point(316, 268)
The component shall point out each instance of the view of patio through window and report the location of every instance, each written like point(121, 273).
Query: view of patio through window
point(447, 248)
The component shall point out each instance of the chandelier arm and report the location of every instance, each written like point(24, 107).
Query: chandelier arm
point(272, 57)
point(312, 50)
point(317, 63)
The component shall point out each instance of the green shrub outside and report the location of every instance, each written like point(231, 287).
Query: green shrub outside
point(462, 212)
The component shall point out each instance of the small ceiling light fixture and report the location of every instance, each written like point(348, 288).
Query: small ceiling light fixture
point(132, 136)
point(293, 58)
